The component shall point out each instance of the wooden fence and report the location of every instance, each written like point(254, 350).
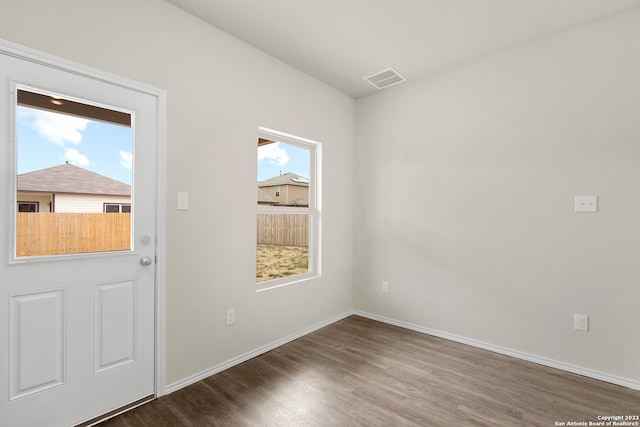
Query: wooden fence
point(54, 233)
point(283, 229)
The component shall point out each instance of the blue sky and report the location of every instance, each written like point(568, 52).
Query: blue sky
point(280, 157)
point(47, 139)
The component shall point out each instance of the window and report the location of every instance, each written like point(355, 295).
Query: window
point(28, 206)
point(117, 208)
point(58, 139)
point(288, 209)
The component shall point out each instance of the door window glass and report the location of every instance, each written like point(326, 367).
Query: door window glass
point(76, 160)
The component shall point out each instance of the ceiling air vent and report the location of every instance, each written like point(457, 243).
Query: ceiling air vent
point(385, 78)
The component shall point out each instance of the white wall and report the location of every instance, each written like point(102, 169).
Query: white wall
point(219, 91)
point(465, 190)
point(465, 183)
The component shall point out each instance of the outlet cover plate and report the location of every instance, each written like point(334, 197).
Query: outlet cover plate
point(231, 316)
point(581, 322)
point(586, 204)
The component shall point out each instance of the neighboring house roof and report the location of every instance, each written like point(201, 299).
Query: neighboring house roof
point(299, 202)
point(264, 197)
point(68, 178)
point(285, 179)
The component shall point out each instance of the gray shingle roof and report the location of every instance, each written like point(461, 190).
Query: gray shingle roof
point(299, 202)
point(264, 197)
point(285, 179)
point(72, 179)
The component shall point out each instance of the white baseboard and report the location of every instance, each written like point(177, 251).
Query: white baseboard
point(505, 351)
point(251, 354)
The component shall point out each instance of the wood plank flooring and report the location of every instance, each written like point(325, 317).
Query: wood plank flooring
point(359, 372)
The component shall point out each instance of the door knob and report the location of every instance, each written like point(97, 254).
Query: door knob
point(146, 261)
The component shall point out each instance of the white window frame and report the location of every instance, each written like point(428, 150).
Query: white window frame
point(314, 210)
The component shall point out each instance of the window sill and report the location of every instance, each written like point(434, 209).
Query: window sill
point(278, 283)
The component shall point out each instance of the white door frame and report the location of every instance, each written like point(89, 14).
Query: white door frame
point(34, 56)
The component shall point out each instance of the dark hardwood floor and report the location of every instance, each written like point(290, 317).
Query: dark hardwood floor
point(359, 372)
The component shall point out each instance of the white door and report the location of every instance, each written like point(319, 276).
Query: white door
point(76, 327)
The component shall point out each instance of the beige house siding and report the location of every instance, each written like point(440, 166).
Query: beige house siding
point(83, 203)
point(76, 203)
point(43, 200)
point(288, 193)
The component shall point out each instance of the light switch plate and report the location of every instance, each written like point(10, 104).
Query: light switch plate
point(586, 204)
point(182, 202)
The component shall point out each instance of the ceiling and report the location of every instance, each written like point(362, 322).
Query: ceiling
point(342, 41)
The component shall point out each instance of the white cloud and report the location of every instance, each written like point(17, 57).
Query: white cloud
point(58, 128)
point(75, 157)
point(126, 159)
point(274, 153)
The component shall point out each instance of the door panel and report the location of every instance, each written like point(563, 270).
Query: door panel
point(115, 334)
point(79, 327)
point(36, 340)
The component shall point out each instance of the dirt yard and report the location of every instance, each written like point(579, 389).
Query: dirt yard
point(274, 261)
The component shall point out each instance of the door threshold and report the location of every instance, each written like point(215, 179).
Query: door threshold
point(117, 411)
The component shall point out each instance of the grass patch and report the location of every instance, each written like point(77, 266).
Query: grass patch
point(274, 261)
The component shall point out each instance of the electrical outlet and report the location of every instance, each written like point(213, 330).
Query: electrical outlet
point(581, 322)
point(385, 287)
point(231, 316)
